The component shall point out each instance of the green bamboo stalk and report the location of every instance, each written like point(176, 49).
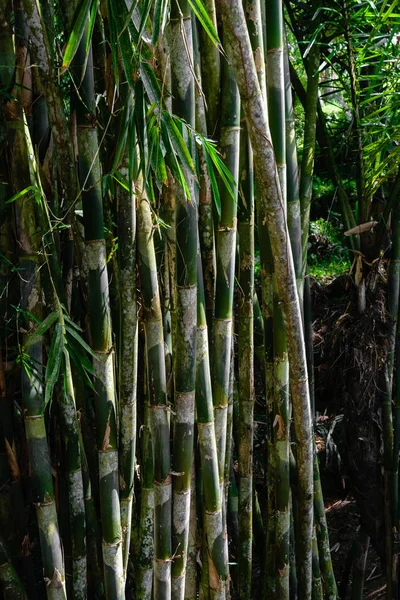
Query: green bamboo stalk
point(246, 363)
point(10, 583)
point(325, 144)
point(183, 104)
point(324, 551)
point(276, 86)
point(41, 49)
point(258, 331)
point(214, 548)
point(317, 591)
point(307, 163)
point(100, 325)
point(128, 356)
point(205, 208)
point(361, 550)
point(211, 73)
point(145, 555)
point(191, 586)
point(292, 179)
point(280, 409)
point(226, 250)
point(76, 494)
point(354, 93)
point(153, 324)
point(270, 209)
point(32, 387)
point(66, 401)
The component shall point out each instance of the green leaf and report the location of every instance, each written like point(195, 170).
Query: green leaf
point(177, 141)
point(30, 188)
point(202, 15)
point(79, 339)
point(83, 365)
point(54, 362)
point(71, 322)
point(78, 28)
point(37, 334)
point(213, 181)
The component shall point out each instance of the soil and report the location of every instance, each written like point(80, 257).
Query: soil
point(350, 353)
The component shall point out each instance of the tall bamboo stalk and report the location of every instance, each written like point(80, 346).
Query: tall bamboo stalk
point(307, 163)
point(156, 379)
point(324, 550)
point(280, 408)
point(216, 557)
point(100, 324)
point(246, 363)
point(183, 104)
point(292, 178)
point(206, 217)
point(226, 250)
point(211, 73)
point(41, 47)
point(270, 208)
point(128, 355)
point(145, 555)
point(32, 386)
point(276, 86)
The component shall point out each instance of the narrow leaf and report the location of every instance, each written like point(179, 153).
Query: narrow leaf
point(54, 362)
point(78, 28)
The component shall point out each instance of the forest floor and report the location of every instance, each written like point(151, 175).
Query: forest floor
point(334, 328)
point(343, 522)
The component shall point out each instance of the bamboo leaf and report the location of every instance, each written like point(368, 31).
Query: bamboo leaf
point(37, 334)
point(80, 340)
point(213, 181)
point(71, 322)
point(177, 141)
point(78, 28)
point(202, 15)
point(30, 188)
point(54, 362)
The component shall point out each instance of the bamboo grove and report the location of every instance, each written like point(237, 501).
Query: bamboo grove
point(147, 153)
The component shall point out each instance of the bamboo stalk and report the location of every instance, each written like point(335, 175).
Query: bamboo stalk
point(292, 176)
point(324, 551)
point(226, 250)
point(183, 104)
point(270, 208)
point(205, 208)
point(153, 324)
point(214, 547)
point(246, 364)
point(276, 87)
point(145, 555)
point(128, 356)
point(280, 409)
point(211, 73)
point(32, 387)
point(100, 326)
point(307, 163)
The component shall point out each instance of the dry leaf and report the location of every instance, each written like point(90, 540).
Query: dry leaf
point(361, 228)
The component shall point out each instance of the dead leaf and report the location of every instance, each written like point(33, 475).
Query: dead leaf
point(358, 275)
point(361, 228)
point(281, 426)
point(12, 461)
